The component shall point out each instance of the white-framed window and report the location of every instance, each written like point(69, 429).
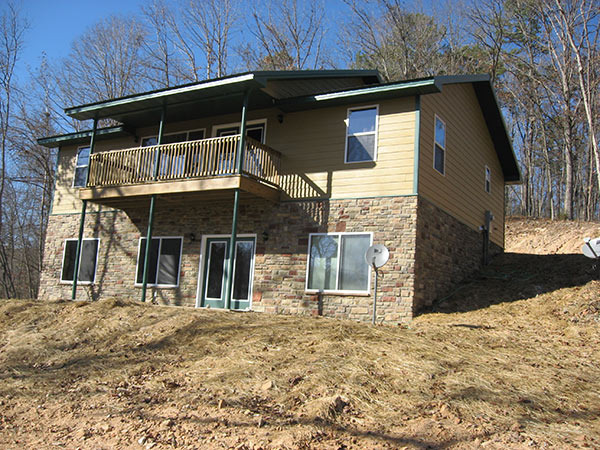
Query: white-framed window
point(81, 166)
point(171, 138)
point(488, 180)
point(336, 263)
point(163, 263)
point(439, 146)
point(88, 261)
point(256, 129)
point(361, 134)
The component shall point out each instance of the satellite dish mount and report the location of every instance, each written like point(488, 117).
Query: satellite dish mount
point(376, 256)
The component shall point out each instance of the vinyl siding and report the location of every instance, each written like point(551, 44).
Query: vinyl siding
point(312, 144)
point(469, 148)
point(65, 198)
point(313, 148)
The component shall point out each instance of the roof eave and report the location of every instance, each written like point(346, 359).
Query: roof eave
point(103, 109)
point(80, 136)
point(417, 87)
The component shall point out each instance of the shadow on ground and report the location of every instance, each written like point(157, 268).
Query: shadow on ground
point(517, 276)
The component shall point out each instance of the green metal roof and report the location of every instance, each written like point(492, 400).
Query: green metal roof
point(83, 137)
point(133, 106)
point(289, 91)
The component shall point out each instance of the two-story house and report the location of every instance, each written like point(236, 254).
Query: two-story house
point(262, 191)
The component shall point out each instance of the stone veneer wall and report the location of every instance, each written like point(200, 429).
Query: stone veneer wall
point(447, 250)
point(280, 262)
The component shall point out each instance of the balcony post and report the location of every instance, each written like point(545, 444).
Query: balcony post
point(152, 203)
point(236, 201)
point(82, 218)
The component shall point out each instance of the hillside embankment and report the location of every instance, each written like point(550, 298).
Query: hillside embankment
point(509, 360)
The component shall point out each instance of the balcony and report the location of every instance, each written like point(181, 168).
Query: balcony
point(194, 167)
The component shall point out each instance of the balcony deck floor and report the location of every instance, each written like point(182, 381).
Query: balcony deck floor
point(205, 188)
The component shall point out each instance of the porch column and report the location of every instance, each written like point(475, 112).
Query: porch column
point(236, 200)
point(83, 211)
point(152, 202)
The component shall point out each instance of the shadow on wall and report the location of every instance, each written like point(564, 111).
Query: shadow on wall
point(517, 276)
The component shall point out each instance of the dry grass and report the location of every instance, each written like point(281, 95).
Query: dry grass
point(516, 367)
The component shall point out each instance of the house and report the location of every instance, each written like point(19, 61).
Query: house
point(284, 180)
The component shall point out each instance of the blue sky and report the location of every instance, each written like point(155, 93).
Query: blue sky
point(53, 24)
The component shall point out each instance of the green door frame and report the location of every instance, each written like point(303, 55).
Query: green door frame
point(236, 304)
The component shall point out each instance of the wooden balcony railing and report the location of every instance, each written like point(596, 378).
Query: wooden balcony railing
point(204, 158)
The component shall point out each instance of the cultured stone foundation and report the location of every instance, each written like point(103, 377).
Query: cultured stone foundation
point(428, 253)
point(448, 251)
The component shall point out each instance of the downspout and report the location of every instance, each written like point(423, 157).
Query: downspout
point(236, 201)
point(83, 211)
point(152, 203)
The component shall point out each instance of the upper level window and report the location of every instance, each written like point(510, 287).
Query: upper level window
point(255, 130)
point(171, 138)
point(361, 134)
point(81, 166)
point(439, 147)
point(336, 262)
point(488, 180)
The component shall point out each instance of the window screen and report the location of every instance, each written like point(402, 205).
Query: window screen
point(163, 261)
point(88, 258)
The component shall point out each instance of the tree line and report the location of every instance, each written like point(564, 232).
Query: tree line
point(542, 55)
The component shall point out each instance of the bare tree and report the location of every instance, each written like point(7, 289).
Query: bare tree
point(577, 24)
point(201, 32)
point(401, 43)
point(288, 36)
point(12, 29)
point(160, 55)
point(105, 62)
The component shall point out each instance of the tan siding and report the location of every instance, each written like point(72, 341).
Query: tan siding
point(312, 144)
point(65, 198)
point(469, 149)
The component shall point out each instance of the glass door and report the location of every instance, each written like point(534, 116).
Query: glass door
point(215, 273)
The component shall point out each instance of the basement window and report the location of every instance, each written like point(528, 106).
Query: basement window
point(88, 261)
point(81, 167)
point(439, 146)
point(361, 134)
point(163, 262)
point(336, 263)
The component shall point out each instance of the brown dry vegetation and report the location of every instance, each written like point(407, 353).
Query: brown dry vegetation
point(510, 360)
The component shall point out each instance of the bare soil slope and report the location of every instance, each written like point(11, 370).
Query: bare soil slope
point(510, 360)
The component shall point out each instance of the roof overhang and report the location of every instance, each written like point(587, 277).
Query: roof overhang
point(366, 94)
point(83, 137)
point(204, 98)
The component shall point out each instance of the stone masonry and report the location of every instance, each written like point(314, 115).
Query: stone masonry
point(448, 251)
point(280, 262)
point(430, 252)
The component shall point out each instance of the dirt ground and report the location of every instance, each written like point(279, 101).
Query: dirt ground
point(509, 360)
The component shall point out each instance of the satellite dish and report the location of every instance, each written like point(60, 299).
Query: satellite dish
point(377, 255)
point(591, 248)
